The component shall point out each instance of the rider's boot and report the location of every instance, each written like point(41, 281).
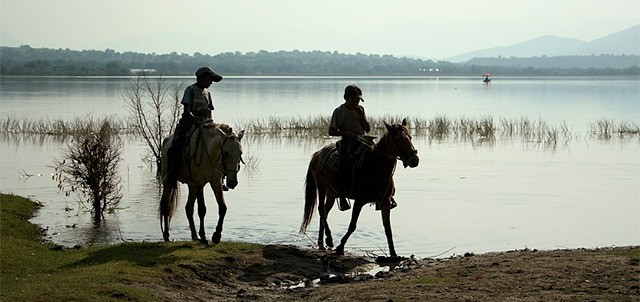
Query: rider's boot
point(392, 204)
point(343, 203)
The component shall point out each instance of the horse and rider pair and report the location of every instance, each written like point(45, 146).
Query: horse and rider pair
point(213, 153)
point(364, 170)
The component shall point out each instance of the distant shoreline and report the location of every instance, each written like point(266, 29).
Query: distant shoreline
point(25, 60)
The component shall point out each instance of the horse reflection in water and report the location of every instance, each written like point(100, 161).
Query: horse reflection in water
point(373, 183)
point(215, 153)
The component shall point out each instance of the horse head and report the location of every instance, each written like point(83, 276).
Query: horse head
point(231, 155)
point(399, 143)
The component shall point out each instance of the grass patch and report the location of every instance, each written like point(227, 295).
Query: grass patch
point(37, 271)
point(633, 254)
point(426, 280)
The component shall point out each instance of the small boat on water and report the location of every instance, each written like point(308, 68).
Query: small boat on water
point(486, 78)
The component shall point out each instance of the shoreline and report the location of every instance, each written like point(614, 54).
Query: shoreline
point(33, 270)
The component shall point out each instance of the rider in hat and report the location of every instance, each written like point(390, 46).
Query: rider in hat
point(197, 102)
point(350, 123)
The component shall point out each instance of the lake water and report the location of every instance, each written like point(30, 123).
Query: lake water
point(465, 196)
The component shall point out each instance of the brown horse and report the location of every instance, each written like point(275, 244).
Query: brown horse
point(373, 183)
point(215, 153)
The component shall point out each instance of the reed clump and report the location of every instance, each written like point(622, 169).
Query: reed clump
point(606, 128)
point(78, 125)
point(477, 129)
point(288, 127)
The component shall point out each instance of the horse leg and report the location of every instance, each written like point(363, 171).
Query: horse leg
point(202, 211)
point(322, 212)
point(325, 203)
point(386, 222)
point(222, 211)
point(328, 205)
point(165, 227)
point(165, 211)
point(357, 208)
point(191, 200)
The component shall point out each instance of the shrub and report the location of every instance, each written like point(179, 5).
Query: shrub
point(89, 167)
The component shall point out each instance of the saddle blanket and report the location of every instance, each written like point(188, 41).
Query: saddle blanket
point(331, 159)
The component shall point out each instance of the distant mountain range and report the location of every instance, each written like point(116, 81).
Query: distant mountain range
point(626, 42)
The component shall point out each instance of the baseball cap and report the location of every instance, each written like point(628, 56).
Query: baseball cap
point(353, 90)
point(207, 70)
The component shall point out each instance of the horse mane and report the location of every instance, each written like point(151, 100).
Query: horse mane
point(228, 130)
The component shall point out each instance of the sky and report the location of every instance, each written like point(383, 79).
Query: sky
point(433, 29)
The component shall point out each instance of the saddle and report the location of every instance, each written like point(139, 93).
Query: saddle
point(189, 154)
point(330, 158)
point(198, 125)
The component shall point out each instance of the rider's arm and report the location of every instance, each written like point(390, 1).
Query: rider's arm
point(363, 119)
point(187, 109)
point(337, 132)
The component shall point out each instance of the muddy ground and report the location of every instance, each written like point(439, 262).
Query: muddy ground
point(286, 273)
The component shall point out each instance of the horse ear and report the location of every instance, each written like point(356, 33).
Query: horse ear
point(241, 135)
point(404, 122)
point(388, 126)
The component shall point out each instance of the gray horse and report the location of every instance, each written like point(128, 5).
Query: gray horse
point(212, 154)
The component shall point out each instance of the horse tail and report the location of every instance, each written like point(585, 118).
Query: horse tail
point(168, 205)
point(310, 199)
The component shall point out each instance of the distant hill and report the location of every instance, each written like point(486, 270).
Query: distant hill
point(626, 42)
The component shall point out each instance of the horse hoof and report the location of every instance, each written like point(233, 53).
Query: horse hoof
point(216, 238)
point(329, 243)
point(339, 251)
point(204, 241)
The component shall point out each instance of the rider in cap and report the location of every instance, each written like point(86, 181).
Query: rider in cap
point(197, 102)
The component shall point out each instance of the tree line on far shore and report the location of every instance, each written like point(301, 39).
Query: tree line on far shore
point(28, 61)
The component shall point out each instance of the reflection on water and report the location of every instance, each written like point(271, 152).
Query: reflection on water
point(469, 194)
point(465, 196)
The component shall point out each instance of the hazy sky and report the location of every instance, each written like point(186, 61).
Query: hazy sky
point(427, 28)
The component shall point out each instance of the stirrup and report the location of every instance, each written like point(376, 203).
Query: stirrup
point(392, 204)
point(343, 204)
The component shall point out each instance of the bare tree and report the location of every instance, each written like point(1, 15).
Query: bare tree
point(155, 110)
point(89, 166)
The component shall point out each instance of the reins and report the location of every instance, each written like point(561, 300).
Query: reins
point(366, 143)
point(198, 159)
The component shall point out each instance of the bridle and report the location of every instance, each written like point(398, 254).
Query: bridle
point(222, 155)
point(224, 164)
point(389, 153)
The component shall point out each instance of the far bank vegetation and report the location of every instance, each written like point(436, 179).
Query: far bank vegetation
point(25, 61)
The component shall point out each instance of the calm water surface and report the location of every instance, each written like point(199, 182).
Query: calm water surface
point(464, 197)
